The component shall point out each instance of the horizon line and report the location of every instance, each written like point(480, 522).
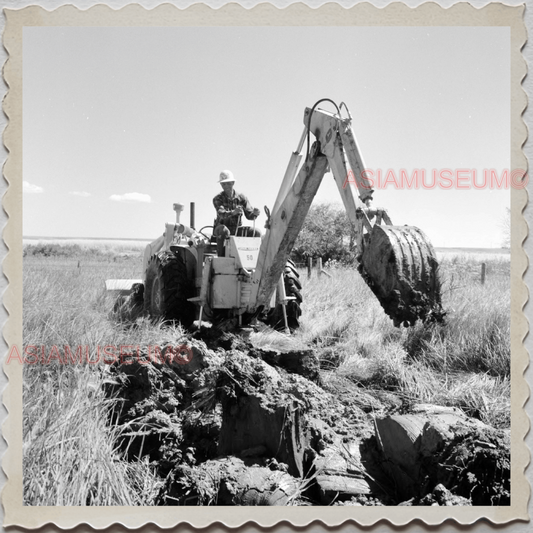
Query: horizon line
point(138, 239)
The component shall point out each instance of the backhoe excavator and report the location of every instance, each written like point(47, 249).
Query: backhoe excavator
point(185, 280)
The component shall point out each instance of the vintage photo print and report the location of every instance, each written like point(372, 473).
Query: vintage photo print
point(264, 257)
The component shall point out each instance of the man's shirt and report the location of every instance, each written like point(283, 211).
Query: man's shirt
point(225, 205)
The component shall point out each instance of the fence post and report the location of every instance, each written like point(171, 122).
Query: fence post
point(319, 266)
point(309, 267)
point(483, 269)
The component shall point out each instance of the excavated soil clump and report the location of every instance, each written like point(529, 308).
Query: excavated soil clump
point(476, 465)
point(302, 362)
point(157, 413)
point(226, 423)
point(230, 481)
point(440, 446)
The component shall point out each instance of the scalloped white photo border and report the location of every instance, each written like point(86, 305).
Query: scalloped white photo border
point(399, 14)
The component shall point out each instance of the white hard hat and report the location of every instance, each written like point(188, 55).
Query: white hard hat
point(226, 176)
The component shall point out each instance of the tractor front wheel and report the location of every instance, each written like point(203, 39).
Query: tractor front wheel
point(167, 289)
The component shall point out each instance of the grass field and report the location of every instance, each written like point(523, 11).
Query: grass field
point(71, 454)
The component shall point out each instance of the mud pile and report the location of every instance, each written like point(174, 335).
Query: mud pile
point(437, 446)
point(225, 423)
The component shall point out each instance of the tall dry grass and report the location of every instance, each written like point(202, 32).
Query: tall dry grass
point(464, 362)
point(70, 453)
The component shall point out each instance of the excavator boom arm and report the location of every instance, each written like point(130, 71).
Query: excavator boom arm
point(338, 143)
point(398, 263)
point(285, 225)
point(297, 193)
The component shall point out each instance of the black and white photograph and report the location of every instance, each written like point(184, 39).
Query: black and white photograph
point(269, 264)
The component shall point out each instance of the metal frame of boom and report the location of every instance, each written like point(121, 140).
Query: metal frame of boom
point(335, 148)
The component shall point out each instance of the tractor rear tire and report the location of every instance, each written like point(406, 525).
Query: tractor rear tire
point(293, 286)
point(167, 289)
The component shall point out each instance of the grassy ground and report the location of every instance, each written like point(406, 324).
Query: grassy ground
point(463, 363)
point(71, 455)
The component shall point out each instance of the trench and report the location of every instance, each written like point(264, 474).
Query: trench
point(238, 425)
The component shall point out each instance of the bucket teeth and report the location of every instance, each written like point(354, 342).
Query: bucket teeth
point(399, 265)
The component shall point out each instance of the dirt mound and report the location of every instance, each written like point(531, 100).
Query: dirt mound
point(304, 362)
point(441, 446)
point(262, 407)
point(158, 413)
point(439, 496)
point(225, 423)
point(477, 465)
point(229, 481)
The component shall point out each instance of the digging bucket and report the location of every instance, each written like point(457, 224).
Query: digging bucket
point(400, 266)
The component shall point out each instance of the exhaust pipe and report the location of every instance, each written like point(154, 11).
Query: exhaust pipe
point(192, 215)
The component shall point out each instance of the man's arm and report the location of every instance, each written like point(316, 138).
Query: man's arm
point(250, 212)
point(224, 214)
point(219, 205)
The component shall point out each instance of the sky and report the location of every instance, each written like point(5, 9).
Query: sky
point(120, 123)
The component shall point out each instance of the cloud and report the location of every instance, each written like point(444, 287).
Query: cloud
point(80, 193)
point(28, 187)
point(131, 197)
